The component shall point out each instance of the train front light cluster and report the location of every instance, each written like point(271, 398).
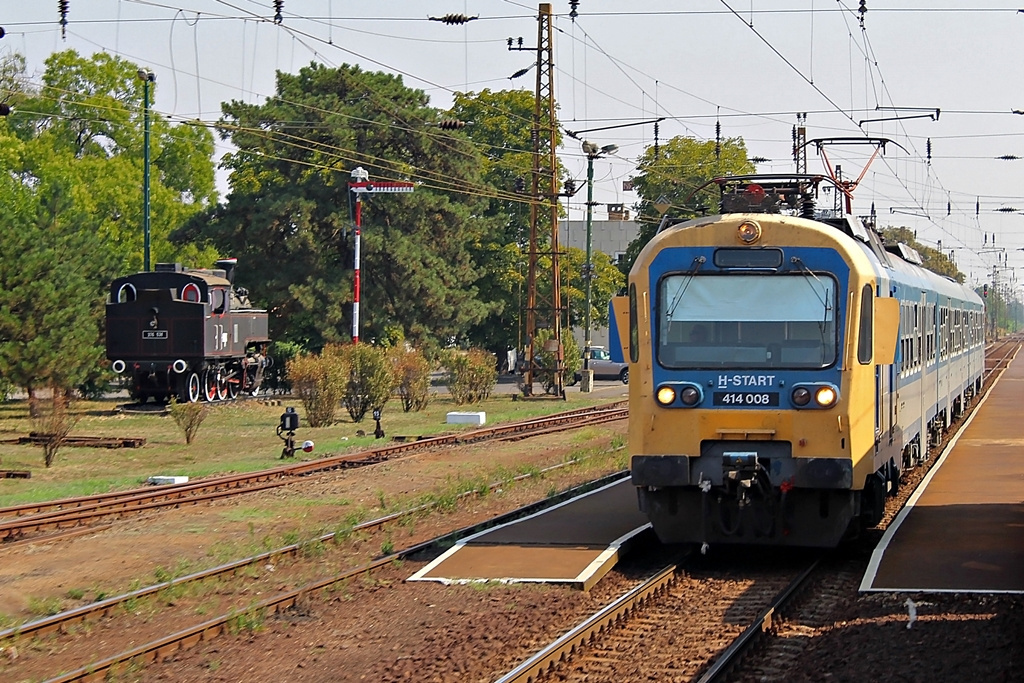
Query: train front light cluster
point(679, 393)
point(814, 396)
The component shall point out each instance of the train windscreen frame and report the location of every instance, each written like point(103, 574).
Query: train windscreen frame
point(747, 321)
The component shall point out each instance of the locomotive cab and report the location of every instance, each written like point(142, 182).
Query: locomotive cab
point(765, 392)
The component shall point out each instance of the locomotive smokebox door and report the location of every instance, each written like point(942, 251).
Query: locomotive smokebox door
point(289, 420)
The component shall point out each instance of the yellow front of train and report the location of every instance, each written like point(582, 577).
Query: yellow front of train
point(753, 342)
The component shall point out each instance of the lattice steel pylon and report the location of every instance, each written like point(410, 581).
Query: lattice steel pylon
point(544, 311)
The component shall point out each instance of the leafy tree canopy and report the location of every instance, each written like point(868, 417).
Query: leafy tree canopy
point(71, 170)
point(934, 260)
point(673, 174)
point(290, 215)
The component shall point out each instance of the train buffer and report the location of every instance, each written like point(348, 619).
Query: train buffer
point(575, 543)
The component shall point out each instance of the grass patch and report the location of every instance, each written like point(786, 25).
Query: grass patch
point(234, 438)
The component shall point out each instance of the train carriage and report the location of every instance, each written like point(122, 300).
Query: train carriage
point(786, 367)
point(185, 333)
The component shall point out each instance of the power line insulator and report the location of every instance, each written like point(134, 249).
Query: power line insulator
point(454, 19)
point(573, 4)
point(62, 7)
point(451, 124)
point(278, 7)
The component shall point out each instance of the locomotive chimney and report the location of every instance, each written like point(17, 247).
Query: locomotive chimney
point(228, 266)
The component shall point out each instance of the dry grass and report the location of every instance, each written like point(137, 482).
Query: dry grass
point(235, 437)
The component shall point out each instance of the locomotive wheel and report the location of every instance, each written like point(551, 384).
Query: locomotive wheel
point(194, 387)
point(233, 385)
point(222, 388)
point(210, 385)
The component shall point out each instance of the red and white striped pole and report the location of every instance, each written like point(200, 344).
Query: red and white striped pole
point(355, 301)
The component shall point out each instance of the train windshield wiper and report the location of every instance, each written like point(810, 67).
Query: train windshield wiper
point(697, 263)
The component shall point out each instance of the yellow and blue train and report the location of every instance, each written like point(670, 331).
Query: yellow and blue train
point(786, 367)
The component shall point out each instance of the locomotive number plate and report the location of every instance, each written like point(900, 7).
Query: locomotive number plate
point(154, 334)
point(745, 398)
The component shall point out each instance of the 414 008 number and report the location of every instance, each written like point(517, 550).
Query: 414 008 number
point(745, 398)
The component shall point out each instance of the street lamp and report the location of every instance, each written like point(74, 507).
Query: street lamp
point(593, 152)
point(147, 77)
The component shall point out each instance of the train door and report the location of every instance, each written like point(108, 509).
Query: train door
point(926, 393)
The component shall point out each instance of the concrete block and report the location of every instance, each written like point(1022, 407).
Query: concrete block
point(162, 481)
point(467, 418)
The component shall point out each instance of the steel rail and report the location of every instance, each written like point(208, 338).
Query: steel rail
point(756, 631)
point(59, 623)
point(77, 511)
point(593, 626)
point(168, 645)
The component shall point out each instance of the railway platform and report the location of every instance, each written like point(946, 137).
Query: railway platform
point(963, 529)
point(575, 543)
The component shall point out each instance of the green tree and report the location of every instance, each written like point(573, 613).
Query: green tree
point(289, 214)
point(673, 174)
point(500, 122)
point(934, 260)
point(86, 121)
point(71, 162)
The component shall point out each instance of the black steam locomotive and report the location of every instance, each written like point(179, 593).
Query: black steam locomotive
point(186, 333)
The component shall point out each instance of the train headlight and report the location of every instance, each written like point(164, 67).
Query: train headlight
point(825, 397)
point(801, 396)
point(748, 232)
point(814, 396)
point(690, 396)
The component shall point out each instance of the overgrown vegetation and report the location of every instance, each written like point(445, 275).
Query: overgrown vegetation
point(471, 375)
point(412, 378)
point(52, 423)
point(188, 416)
point(319, 381)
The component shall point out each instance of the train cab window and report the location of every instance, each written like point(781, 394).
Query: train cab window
point(865, 342)
point(126, 293)
point(747, 321)
point(218, 301)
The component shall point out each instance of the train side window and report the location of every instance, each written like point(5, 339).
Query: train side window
point(634, 336)
point(865, 343)
point(126, 293)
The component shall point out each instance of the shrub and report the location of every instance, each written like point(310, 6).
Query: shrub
point(188, 416)
point(370, 379)
point(53, 422)
point(412, 378)
point(275, 375)
point(572, 361)
point(471, 375)
point(319, 382)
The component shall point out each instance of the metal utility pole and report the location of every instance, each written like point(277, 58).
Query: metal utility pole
point(147, 77)
point(544, 214)
point(593, 152)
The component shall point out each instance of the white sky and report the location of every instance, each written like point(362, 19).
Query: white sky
point(751, 64)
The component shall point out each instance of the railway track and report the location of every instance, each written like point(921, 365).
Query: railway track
point(69, 624)
point(29, 522)
point(677, 626)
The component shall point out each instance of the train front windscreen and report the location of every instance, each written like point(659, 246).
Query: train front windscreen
point(747, 321)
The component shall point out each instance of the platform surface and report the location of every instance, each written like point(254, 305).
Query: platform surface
point(576, 542)
point(963, 529)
